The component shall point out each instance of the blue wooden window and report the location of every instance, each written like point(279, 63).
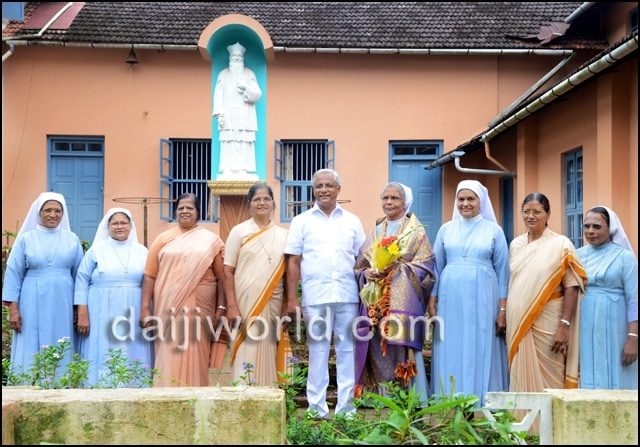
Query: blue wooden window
point(295, 163)
point(572, 162)
point(185, 166)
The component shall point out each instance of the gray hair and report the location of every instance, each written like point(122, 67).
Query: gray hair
point(397, 186)
point(334, 174)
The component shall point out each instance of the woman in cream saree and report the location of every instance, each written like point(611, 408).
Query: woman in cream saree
point(254, 269)
point(546, 282)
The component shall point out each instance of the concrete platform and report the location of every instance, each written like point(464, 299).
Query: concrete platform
point(207, 415)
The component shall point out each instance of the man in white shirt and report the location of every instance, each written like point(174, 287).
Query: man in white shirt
point(323, 244)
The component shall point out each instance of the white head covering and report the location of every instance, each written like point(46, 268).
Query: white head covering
point(486, 209)
point(33, 216)
point(408, 194)
point(102, 233)
point(616, 232)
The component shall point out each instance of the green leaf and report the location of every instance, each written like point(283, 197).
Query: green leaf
point(398, 420)
point(386, 401)
point(418, 434)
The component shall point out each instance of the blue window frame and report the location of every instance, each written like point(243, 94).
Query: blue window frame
point(295, 163)
point(572, 163)
point(185, 166)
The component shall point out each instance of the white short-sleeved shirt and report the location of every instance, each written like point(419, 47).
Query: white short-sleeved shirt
point(329, 247)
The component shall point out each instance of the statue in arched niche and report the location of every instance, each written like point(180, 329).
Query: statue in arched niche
point(234, 104)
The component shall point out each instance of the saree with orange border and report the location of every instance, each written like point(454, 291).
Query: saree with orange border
point(258, 257)
point(540, 272)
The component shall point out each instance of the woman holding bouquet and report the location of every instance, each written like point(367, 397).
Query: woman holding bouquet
point(469, 297)
point(401, 286)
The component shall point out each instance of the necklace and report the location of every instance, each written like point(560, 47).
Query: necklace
point(465, 249)
point(265, 248)
point(51, 255)
point(125, 266)
point(403, 221)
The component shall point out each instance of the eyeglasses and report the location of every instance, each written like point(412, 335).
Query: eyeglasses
point(51, 211)
point(535, 213)
point(325, 186)
point(119, 224)
point(594, 226)
point(261, 200)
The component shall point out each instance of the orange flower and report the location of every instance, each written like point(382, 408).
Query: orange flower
point(405, 371)
point(386, 241)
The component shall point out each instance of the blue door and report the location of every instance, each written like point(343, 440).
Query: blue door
point(407, 166)
point(76, 170)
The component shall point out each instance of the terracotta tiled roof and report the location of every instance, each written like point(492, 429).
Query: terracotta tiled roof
point(325, 25)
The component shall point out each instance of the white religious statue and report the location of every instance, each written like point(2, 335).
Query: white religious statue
point(234, 98)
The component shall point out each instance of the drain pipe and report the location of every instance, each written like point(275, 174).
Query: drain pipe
point(531, 90)
point(565, 86)
point(45, 27)
point(456, 155)
point(578, 12)
point(594, 68)
point(9, 52)
point(12, 47)
point(487, 153)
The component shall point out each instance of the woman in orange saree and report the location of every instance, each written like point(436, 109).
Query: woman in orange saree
point(181, 286)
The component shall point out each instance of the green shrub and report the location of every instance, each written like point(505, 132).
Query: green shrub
point(45, 370)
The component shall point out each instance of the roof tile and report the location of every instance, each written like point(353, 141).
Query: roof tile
point(403, 25)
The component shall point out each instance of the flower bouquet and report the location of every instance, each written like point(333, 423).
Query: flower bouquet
point(384, 252)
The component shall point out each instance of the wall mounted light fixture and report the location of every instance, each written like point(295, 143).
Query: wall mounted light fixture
point(132, 59)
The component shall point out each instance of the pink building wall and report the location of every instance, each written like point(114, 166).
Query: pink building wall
point(601, 119)
point(360, 101)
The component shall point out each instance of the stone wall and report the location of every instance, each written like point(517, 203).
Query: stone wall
point(594, 416)
point(207, 415)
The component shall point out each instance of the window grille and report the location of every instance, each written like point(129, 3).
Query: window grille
point(295, 163)
point(185, 167)
point(572, 162)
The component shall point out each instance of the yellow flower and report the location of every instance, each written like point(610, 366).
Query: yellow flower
point(394, 249)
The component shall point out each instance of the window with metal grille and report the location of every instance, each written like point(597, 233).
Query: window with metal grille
point(572, 163)
point(295, 163)
point(185, 167)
